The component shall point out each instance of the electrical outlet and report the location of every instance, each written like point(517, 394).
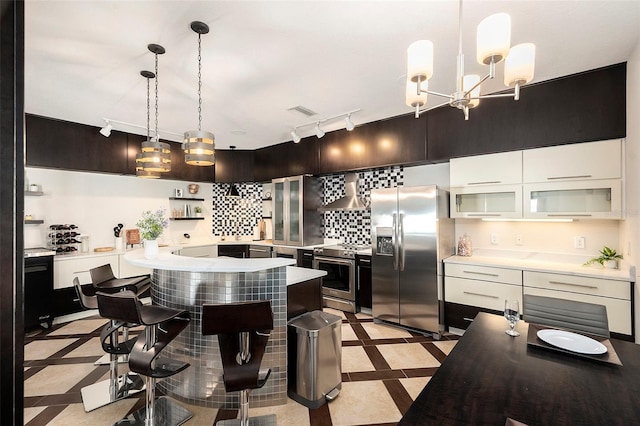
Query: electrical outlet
point(494, 239)
point(519, 240)
point(578, 242)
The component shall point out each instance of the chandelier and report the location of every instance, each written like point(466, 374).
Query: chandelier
point(493, 46)
point(199, 145)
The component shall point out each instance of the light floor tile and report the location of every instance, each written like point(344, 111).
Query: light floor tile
point(91, 348)
point(56, 379)
point(334, 312)
point(84, 326)
point(415, 385)
point(348, 333)
point(31, 412)
point(289, 414)
point(446, 346)
point(75, 415)
point(383, 331)
point(363, 316)
point(407, 355)
point(43, 349)
point(202, 416)
point(354, 358)
point(360, 403)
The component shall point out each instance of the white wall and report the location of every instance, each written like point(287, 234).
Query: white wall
point(97, 202)
point(630, 232)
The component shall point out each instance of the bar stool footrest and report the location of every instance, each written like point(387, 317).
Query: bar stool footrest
point(165, 367)
point(98, 394)
point(268, 420)
point(167, 412)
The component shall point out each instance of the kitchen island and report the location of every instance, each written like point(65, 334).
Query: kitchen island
point(187, 283)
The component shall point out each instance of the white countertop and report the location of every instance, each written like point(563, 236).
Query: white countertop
point(541, 262)
point(297, 275)
point(166, 260)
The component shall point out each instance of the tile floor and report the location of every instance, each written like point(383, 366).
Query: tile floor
point(384, 368)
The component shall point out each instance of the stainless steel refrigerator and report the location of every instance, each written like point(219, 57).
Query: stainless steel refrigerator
point(411, 233)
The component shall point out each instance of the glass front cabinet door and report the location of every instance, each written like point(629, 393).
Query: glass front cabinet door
point(499, 201)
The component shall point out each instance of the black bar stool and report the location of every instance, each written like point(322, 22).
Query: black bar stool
point(243, 331)
point(117, 386)
point(103, 280)
point(162, 325)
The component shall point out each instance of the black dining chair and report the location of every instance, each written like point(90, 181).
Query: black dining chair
point(569, 314)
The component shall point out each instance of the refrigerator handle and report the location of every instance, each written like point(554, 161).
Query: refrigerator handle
point(394, 241)
point(401, 241)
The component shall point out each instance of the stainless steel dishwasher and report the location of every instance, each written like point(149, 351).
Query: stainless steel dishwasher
point(256, 251)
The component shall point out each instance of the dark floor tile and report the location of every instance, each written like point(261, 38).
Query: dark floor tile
point(46, 416)
point(378, 361)
point(61, 399)
point(399, 394)
point(351, 343)
point(359, 331)
point(435, 351)
point(32, 401)
point(32, 371)
point(62, 361)
point(390, 341)
point(420, 372)
point(320, 416)
point(345, 377)
point(376, 375)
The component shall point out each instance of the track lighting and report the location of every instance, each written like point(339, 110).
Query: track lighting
point(295, 137)
point(318, 131)
point(348, 123)
point(106, 130)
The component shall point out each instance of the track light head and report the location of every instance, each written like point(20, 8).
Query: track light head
point(319, 131)
point(106, 130)
point(348, 123)
point(295, 137)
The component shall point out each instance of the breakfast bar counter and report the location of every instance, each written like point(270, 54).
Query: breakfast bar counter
point(188, 283)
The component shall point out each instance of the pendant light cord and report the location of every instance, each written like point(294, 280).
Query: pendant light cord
point(148, 107)
point(157, 135)
point(199, 82)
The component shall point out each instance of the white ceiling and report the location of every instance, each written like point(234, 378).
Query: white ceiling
point(83, 58)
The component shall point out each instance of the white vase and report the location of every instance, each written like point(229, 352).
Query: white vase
point(150, 249)
point(611, 264)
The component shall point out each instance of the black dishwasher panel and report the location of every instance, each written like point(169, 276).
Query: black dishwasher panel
point(38, 291)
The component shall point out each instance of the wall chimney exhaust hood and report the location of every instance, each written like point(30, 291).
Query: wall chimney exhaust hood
point(350, 201)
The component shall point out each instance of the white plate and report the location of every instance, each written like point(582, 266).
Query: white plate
point(572, 342)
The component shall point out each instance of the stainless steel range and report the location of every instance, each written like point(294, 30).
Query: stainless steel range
point(339, 285)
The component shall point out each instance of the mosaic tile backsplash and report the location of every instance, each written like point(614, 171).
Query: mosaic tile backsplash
point(238, 216)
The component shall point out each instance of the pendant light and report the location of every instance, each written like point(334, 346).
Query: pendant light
point(233, 190)
point(155, 155)
point(140, 171)
point(199, 145)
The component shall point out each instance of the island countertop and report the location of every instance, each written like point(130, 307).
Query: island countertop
point(166, 260)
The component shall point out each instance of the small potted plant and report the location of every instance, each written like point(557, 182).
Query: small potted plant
point(198, 211)
point(151, 226)
point(608, 258)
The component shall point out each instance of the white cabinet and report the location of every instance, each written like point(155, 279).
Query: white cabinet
point(580, 161)
point(481, 286)
point(503, 201)
point(126, 269)
point(615, 295)
point(201, 251)
point(592, 199)
point(66, 269)
point(483, 170)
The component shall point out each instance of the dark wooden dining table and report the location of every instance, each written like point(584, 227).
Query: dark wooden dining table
point(490, 377)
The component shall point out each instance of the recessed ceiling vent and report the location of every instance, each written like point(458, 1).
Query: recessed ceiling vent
point(302, 110)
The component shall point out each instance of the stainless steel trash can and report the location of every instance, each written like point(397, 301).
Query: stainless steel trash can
point(314, 358)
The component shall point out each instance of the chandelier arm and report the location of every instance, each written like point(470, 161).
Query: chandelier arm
point(430, 108)
point(442, 95)
point(497, 95)
point(485, 78)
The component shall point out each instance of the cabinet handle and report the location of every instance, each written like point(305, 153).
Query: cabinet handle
point(573, 285)
point(480, 294)
point(364, 261)
point(569, 215)
point(485, 182)
point(484, 214)
point(481, 273)
point(79, 272)
point(570, 177)
point(467, 319)
point(308, 254)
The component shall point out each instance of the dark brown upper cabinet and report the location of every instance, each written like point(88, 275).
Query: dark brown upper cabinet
point(286, 159)
point(398, 140)
point(179, 169)
point(234, 166)
point(584, 107)
point(65, 145)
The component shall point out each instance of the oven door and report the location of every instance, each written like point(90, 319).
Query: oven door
point(340, 279)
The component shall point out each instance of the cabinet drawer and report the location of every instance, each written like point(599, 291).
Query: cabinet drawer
point(65, 270)
point(574, 284)
point(461, 316)
point(480, 293)
point(484, 273)
point(618, 311)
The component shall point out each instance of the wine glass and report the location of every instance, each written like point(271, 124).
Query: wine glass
point(512, 314)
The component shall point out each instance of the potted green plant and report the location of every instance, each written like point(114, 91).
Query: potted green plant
point(608, 258)
point(151, 226)
point(198, 211)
